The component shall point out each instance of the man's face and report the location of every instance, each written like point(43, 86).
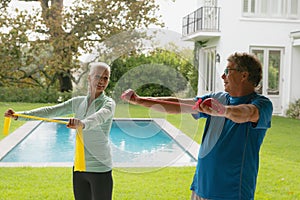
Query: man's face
point(232, 79)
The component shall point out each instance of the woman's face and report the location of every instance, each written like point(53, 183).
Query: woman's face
point(99, 80)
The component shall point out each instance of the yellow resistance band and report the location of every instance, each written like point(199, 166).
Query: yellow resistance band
point(79, 163)
point(40, 118)
point(6, 126)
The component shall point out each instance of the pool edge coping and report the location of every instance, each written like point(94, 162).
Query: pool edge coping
point(189, 145)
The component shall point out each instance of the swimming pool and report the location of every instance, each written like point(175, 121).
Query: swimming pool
point(134, 142)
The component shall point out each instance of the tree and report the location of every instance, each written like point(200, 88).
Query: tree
point(4, 4)
point(158, 72)
point(42, 47)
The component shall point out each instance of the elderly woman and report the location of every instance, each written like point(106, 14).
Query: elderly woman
point(94, 115)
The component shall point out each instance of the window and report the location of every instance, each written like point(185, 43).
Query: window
point(211, 3)
point(209, 69)
point(286, 9)
point(249, 7)
point(276, 8)
point(263, 7)
point(293, 9)
point(271, 59)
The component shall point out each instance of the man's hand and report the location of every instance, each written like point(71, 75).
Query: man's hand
point(130, 96)
point(212, 107)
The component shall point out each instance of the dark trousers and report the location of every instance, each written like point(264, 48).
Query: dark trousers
point(92, 185)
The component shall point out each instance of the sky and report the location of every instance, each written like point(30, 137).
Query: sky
point(172, 12)
point(172, 15)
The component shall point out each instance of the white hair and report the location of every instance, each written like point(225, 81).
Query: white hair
point(95, 65)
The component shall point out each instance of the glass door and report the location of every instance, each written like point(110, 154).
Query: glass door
point(271, 59)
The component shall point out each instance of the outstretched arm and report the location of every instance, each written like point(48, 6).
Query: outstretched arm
point(238, 113)
point(242, 113)
point(170, 105)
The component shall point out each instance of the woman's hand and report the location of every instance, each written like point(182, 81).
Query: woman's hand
point(75, 123)
point(10, 113)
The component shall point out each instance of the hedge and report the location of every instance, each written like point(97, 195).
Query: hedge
point(32, 95)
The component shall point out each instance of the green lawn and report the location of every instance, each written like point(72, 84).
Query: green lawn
point(278, 176)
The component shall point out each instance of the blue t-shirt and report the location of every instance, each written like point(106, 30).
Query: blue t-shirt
point(228, 158)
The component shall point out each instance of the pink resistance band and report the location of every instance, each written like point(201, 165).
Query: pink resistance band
point(176, 103)
point(207, 102)
point(210, 102)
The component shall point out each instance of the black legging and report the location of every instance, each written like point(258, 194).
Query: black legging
point(92, 185)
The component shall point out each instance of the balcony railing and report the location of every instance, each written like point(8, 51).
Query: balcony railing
point(203, 19)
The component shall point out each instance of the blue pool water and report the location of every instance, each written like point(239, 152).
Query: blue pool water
point(138, 137)
point(134, 143)
point(48, 142)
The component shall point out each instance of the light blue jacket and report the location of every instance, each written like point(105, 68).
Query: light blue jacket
point(97, 118)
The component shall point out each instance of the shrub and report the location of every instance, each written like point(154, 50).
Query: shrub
point(32, 95)
point(294, 110)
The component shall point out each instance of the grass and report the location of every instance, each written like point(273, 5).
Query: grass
point(56, 183)
point(279, 173)
point(278, 178)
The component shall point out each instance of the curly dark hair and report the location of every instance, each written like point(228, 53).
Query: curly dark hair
point(249, 63)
